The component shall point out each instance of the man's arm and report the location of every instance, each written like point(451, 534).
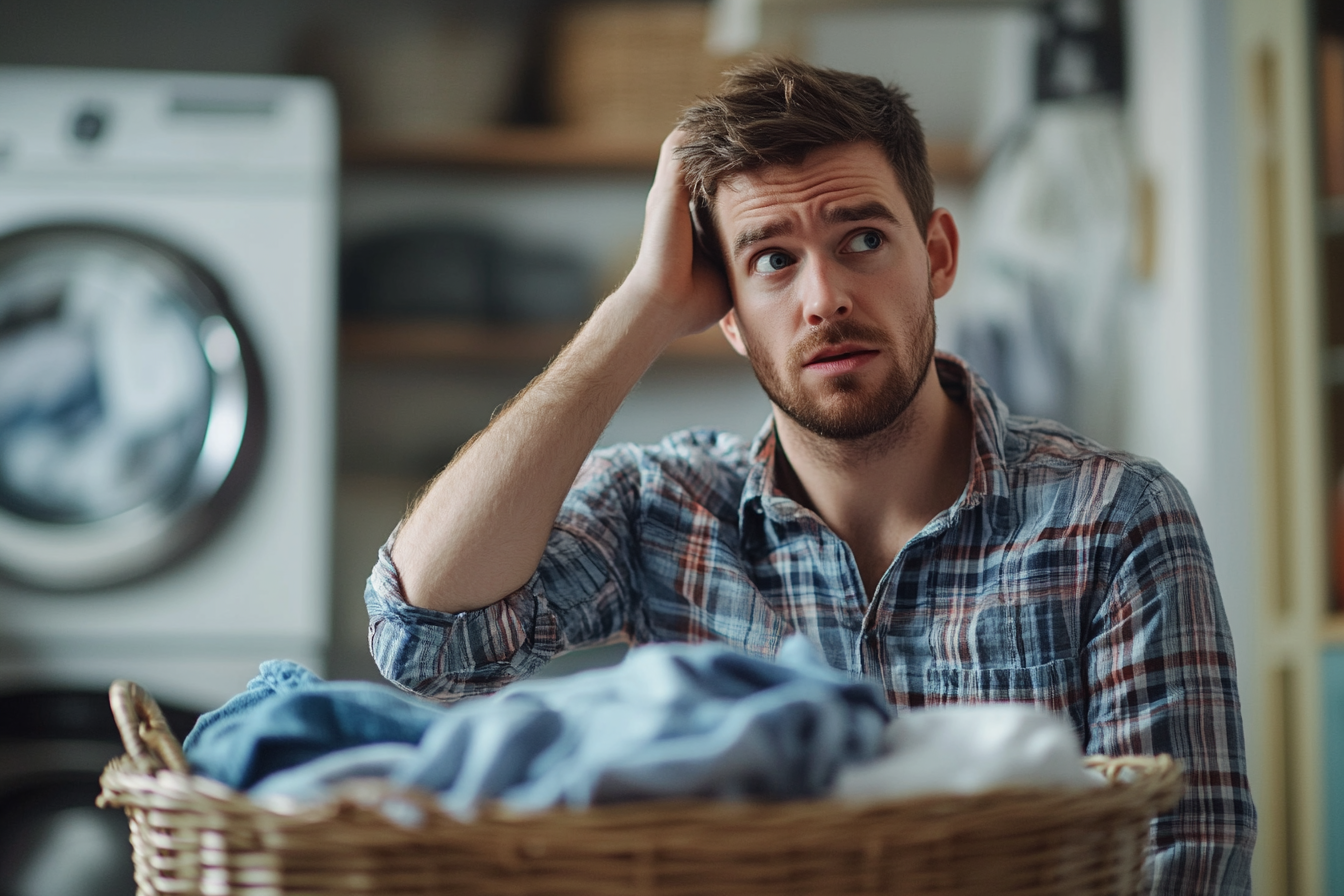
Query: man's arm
point(1163, 680)
point(479, 532)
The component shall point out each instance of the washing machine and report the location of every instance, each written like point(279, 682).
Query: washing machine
point(167, 333)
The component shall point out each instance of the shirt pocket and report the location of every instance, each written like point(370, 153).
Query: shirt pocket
point(1054, 686)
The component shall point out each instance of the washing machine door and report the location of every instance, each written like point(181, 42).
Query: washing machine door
point(131, 406)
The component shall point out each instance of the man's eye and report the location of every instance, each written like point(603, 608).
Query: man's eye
point(864, 242)
point(772, 261)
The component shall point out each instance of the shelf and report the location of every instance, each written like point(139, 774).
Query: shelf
point(558, 149)
point(564, 149)
point(452, 342)
point(1330, 215)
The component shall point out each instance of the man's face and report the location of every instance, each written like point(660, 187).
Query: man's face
point(832, 287)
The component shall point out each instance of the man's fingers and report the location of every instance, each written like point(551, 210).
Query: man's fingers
point(665, 212)
point(669, 173)
point(671, 142)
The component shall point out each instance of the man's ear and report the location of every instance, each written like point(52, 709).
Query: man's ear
point(943, 244)
point(728, 324)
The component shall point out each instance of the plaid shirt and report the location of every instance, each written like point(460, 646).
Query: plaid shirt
point(1067, 575)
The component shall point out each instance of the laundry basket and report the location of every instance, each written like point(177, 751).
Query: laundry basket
point(192, 835)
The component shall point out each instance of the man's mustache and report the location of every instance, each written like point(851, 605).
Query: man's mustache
point(834, 333)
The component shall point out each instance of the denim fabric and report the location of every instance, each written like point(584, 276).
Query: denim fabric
point(671, 720)
point(288, 716)
point(1066, 575)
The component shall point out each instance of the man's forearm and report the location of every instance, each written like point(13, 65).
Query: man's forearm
point(479, 531)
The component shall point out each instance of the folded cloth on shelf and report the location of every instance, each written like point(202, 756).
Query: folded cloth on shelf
point(670, 720)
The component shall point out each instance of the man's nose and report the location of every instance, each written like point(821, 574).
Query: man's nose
point(824, 296)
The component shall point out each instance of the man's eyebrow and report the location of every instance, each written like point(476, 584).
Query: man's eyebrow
point(867, 211)
point(755, 235)
point(839, 214)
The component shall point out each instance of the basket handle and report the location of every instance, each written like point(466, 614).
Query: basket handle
point(144, 731)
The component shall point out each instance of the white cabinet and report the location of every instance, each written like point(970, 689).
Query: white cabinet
point(1272, 65)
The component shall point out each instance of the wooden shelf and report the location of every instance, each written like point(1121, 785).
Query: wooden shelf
point(452, 342)
point(564, 149)
point(561, 149)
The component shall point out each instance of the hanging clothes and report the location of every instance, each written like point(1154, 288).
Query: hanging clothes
point(1046, 268)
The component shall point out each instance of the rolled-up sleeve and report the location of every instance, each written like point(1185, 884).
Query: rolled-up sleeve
point(1162, 679)
point(580, 595)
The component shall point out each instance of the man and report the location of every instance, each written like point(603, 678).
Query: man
point(891, 510)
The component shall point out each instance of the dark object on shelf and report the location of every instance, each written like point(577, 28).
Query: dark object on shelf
point(1330, 17)
point(423, 271)
point(462, 273)
point(543, 286)
point(53, 746)
point(1330, 100)
point(404, 69)
point(1081, 50)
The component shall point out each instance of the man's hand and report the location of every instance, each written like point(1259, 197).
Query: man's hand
point(480, 530)
point(679, 284)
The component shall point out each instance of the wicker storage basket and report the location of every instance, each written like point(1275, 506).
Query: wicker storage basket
point(193, 835)
point(631, 67)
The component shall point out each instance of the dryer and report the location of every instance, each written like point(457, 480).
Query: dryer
point(167, 333)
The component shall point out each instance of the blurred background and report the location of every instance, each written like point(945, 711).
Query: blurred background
point(266, 264)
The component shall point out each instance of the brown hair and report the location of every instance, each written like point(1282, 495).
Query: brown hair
point(775, 110)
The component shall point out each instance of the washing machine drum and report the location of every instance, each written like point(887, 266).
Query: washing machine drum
point(131, 406)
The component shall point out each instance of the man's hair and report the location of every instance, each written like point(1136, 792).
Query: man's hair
point(775, 110)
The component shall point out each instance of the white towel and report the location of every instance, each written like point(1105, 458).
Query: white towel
point(969, 749)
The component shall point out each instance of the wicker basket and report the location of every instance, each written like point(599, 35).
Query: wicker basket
point(631, 67)
point(193, 835)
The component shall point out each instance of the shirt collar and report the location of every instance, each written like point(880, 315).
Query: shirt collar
point(988, 480)
point(760, 494)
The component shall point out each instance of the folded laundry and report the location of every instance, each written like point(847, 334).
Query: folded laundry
point(670, 720)
point(969, 749)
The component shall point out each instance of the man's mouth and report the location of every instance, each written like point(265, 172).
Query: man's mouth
point(832, 353)
point(840, 358)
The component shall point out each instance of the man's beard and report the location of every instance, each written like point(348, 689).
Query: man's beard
point(842, 412)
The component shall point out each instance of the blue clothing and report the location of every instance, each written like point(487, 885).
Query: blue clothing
point(288, 716)
point(672, 720)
